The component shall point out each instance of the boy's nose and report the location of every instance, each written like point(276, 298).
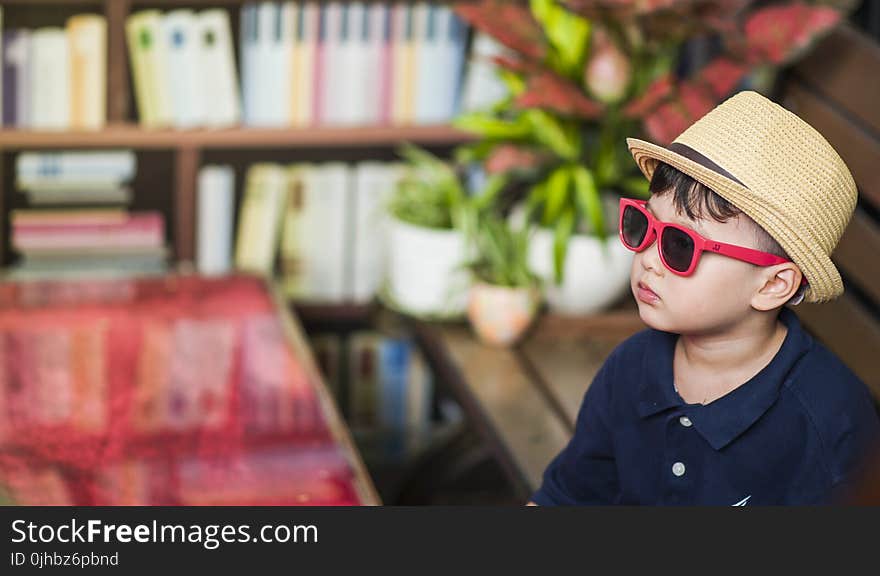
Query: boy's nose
point(650, 258)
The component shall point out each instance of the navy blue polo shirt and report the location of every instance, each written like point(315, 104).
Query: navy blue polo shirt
point(793, 434)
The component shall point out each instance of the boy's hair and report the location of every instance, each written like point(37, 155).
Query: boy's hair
point(696, 199)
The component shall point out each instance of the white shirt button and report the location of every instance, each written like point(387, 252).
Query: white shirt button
point(678, 469)
point(685, 421)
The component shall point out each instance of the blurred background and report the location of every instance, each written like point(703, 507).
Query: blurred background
point(310, 252)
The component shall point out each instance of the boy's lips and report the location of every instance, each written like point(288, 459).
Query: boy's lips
point(646, 294)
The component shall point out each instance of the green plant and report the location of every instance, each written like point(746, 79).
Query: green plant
point(432, 193)
point(583, 75)
point(500, 252)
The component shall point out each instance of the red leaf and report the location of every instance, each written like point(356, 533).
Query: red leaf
point(654, 95)
point(721, 75)
point(550, 92)
point(696, 99)
point(666, 123)
point(509, 23)
point(509, 157)
point(778, 33)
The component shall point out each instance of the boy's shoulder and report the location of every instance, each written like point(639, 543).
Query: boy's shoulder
point(825, 384)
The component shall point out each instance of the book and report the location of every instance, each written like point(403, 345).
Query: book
point(259, 225)
point(331, 71)
point(377, 70)
point(215, 211)
point(179, 35)
point(149, 67)
point(17, 77)
point(87, 37)
point(247, 39)
point(318, 238)
point(50, 79)
point(373, 184)
point(404, 65)
point(482, 87)
point(304, 57)
point(74, 195)
point(220, 97)
point(110, 167)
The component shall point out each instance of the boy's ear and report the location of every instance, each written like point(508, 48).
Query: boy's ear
point(777, 285)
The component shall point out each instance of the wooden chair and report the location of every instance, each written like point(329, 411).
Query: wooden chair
point(836, 88)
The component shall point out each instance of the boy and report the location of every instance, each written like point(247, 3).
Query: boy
point(725, 399)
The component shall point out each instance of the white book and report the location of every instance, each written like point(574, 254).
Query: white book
point(180, 36)
point(304, 55)
point(428, 55)
point(93, 166)
point(354, 69)
point(281, 62)
point(323, 232)
point(50, 79)
point(373, 185)
point(374, 73)
point(87, 34)
point(452, 32)
point(482, 85)
point(215, 207)
point(247, 47)
point(268, 23)
point(220, 100)
point(334, 79)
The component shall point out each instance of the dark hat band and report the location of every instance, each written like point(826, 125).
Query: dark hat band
point(693, 155)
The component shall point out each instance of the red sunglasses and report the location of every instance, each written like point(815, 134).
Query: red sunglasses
point(680, 247)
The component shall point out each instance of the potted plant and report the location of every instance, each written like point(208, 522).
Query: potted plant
point(585, 74)
point(505, 295)
point(426, 245)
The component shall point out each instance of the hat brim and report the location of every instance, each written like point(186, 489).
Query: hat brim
point(822, 275)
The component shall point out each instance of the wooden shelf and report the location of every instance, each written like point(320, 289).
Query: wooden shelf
point(132, 136)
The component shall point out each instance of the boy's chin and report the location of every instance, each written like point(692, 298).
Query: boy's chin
point(654, 318)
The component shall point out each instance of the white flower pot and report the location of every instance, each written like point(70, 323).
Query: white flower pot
point(594, 278)
point(425, 273)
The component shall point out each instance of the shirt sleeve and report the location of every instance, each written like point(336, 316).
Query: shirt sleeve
point(585, 472)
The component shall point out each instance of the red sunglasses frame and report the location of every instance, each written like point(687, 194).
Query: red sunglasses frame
point(701, 244)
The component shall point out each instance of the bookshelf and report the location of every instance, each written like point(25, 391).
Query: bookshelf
point(189, 148)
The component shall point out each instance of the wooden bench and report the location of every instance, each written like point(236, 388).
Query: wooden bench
point(836, 88)
point(523, 401)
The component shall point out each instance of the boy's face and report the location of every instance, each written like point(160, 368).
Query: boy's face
point(714, 297)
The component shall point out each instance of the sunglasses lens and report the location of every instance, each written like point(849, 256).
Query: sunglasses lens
point(634, 227)
point(677, 248)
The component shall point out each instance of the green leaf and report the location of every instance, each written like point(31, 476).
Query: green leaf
point(588, 199)
point(490, 127)
point(638, 186)
point(557, 194)
point(551, 132)
point(494, 185)
point(514, 82)
point(563, 232)
point(567, 32)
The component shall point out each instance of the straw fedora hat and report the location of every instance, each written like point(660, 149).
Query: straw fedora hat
point(778, 170)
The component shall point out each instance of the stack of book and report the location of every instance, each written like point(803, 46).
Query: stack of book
point(302, 64)
point(55, 78)
point(78, 219)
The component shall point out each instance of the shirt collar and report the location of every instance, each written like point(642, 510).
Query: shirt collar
point(726, 418)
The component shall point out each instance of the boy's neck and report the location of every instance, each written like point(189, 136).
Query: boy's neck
point(743, 350)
